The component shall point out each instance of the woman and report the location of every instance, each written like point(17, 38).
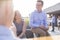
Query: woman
point(20, 25)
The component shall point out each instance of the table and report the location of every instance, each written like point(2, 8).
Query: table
point(57, 37)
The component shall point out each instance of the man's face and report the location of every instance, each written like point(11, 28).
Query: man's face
point(39, 6)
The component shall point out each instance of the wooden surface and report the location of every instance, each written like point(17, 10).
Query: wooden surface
point(45, 38)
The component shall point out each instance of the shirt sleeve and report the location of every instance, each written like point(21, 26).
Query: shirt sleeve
point(31, 21)
point(45, 21)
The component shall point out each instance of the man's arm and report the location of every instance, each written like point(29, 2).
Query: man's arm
point(45, 21)
point(44, 26)
point(31, 21)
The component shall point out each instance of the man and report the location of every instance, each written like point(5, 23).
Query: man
point(6, 19)
point(53, 22)
point(38, 20)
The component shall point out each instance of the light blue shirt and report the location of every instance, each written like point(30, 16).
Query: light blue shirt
point(53, 19)
point(37, 19)
point(5, 33)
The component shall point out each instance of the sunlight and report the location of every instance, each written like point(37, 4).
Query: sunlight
point(27, 6)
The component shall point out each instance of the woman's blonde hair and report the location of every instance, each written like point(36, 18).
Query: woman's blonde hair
point(17, 13)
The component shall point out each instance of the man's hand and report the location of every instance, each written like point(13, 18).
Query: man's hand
point(43, 27)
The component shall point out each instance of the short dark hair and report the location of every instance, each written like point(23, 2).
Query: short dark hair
point(40, 1)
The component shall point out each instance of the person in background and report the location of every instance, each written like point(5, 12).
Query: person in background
point(6, 19)
point(53, 22)
point(38, 20)
point(58, 22)
point(20, 24)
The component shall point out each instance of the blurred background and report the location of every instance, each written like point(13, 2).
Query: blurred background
point(51, 7)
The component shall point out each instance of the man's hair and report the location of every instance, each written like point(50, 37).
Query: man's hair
point(40, 1)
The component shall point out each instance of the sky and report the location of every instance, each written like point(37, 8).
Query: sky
point(25, 7)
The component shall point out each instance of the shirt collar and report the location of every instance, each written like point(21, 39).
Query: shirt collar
point(38, 12)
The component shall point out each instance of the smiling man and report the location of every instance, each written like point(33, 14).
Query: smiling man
point(38, 20)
